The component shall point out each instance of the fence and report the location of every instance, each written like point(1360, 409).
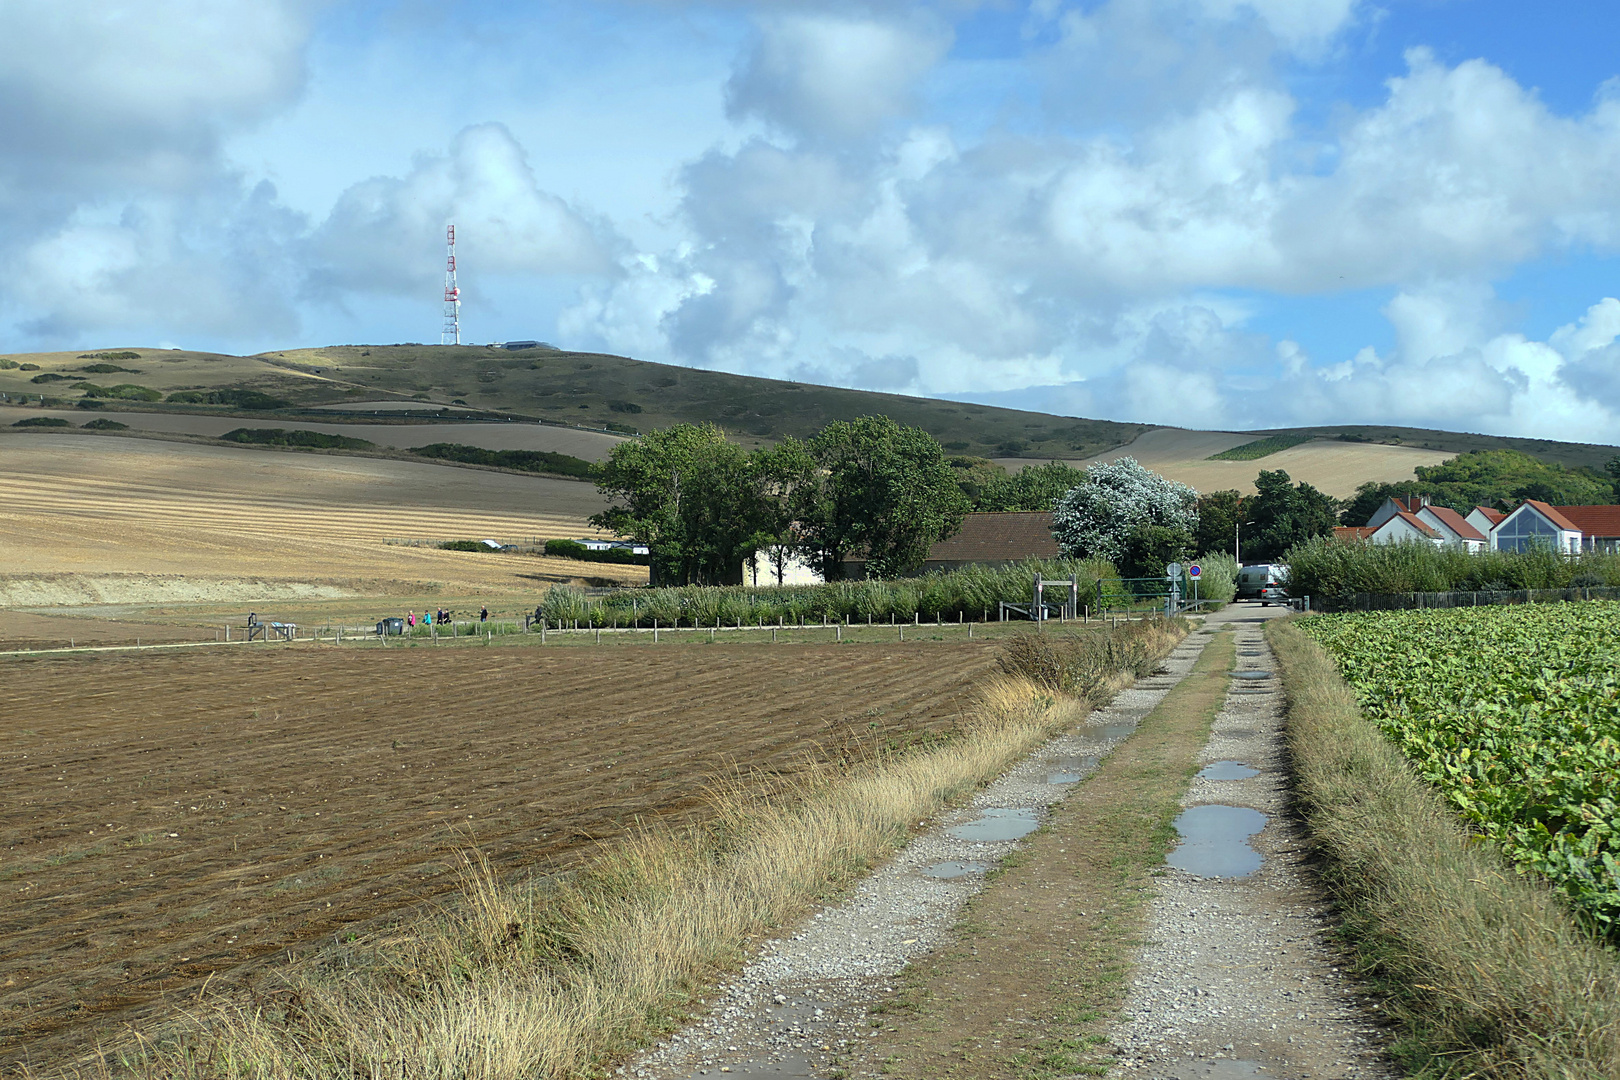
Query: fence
point(1406, 601)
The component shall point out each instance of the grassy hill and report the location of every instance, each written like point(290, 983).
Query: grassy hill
point(614, 393)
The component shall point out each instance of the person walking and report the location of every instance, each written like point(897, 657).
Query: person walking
point(410, 619)
point(483, 614)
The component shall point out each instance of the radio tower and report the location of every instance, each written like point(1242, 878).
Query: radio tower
point(451, 335)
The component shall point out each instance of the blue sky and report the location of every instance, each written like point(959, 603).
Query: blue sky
point(1217, 213)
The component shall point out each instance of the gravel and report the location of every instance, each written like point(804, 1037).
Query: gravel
point(1236, 980)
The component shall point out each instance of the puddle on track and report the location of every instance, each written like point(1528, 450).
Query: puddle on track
point(1215, 840)
point(1228, 1069)
point(1071, 770)
point(1250, 673)
point(1228, 770)
point(1107, 732)
point(997, 823)
point(949, 870)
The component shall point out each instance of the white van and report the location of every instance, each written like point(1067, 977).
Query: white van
point(1265, 582)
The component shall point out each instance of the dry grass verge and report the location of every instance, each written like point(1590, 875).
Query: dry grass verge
point(1484, 968)
point(555, 978)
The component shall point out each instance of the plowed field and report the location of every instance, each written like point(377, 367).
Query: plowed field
point(184, 817)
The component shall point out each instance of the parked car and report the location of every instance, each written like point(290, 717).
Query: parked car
point(1265, 582)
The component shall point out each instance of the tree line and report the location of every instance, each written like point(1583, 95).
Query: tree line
point(879, 494)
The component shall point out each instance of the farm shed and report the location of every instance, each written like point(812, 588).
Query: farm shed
point(988, 539)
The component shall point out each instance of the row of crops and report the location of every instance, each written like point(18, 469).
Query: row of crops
point(971, 593)
point(1514, 714)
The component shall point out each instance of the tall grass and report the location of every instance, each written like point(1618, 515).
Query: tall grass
point(1326, 567)
point(1485, 971)
point(557, 977)
point(972, 592)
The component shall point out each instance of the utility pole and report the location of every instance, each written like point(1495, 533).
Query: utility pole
point(451, 334)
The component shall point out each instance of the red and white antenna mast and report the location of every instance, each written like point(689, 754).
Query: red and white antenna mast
point(451, 335)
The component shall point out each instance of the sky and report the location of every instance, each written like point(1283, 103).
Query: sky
point(1230, 214)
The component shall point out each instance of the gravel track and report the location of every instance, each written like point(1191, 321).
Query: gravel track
point(1237, 979)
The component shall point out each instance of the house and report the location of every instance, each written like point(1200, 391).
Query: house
point(1405, 527)
point(1351, 532)
point(1536, 524)
point(986, 539)
point(1454, 529)
point(1599, 525)
point(1484, 519)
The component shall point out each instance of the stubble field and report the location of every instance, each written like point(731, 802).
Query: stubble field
point(184, 819)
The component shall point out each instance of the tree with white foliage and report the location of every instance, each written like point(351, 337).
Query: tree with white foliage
point(1120, 509)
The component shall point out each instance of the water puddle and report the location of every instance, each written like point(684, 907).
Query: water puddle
point(1071, 770)
point(997, 823)
point(950, 870)
point(1108, 732)
point(1218, 1070)
point(1215, 841)
point(1228, 770)
point(1251, 674)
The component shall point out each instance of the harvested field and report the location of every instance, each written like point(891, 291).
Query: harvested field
point(114, 506)
point(1330, 465)
point(21, 630)
point(183, 818)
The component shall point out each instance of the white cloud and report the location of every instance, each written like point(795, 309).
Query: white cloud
point(387, 234)
point(831, 75)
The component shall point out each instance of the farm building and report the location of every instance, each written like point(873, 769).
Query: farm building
point(986, 539)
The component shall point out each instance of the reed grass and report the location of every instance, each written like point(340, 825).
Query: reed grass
point(558, 977)
point(1485, 971)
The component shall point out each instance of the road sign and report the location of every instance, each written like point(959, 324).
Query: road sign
point(1195, 571)
point(1173, 570)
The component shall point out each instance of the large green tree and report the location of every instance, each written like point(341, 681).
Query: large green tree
point(1285, 514)
point(1498, 478)
point(884, 494)
point(699, 503)
point(1220, 514)
point(1034, 487)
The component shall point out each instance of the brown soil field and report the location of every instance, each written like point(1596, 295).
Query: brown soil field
point(1329, 465)
point(212, 522)
point(178, 819)
point(22, 630)
point(589, 445)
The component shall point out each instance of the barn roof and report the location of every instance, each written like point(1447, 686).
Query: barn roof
point(999, 537)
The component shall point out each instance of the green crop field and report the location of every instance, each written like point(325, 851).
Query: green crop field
point(1514, 713)
point(1259, 448)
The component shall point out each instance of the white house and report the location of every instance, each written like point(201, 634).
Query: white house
point(1403, 527)
point(1485, 519)
point(1535, 524)
point(1454, 529)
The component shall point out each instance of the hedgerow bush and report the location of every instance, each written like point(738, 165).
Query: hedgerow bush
point(1327, 567)
point(969, 593)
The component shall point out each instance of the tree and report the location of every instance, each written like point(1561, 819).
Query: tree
point(1096, 520)
point(1035, 487)
point(885, 495)
point(1285, 515)
point(1220, 514)
point(1499, 478)
point(698, 502)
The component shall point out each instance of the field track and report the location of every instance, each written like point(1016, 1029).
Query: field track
point(181, 818)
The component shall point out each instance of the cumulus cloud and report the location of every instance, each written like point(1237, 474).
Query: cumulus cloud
point(386, 234)
point(828, 75)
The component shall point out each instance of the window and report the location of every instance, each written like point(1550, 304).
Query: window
point(1525, 532)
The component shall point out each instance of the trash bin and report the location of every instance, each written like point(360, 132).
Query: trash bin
point(391, 626)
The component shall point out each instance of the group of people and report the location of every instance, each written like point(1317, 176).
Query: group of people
point(439, 618)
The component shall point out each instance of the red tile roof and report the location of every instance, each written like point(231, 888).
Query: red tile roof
point(1552, 515)
point(1495, 517)
point(1600, 521)
point(1003, 537)
point(1352, 532)
point(1423, 528)
point(1455, 522)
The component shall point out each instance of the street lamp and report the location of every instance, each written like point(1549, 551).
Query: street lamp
point(1237, 548)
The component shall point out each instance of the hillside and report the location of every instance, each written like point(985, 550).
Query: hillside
point(423, 386)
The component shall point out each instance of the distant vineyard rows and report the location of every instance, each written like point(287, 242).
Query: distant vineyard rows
point(1514, 713)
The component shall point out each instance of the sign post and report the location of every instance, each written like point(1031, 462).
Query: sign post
point(1195, 572)
point(1172, 603)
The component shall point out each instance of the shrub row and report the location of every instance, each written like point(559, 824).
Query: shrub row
point(296, 437)
point(539, 461)
point(1326, 567)
point(573, 549)
point(241, 399)
point(969, 593)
